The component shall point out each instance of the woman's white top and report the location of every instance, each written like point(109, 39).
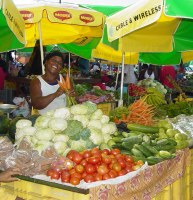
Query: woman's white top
point(50, 89)
point(146, 75)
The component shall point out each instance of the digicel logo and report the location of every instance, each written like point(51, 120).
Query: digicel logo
point(26, 14)
point(87, 18)
point(62, 15)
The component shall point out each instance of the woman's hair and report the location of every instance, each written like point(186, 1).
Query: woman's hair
point(52, 54)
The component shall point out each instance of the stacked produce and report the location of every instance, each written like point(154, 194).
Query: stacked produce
point(154, 97)
point(94, 94)
point(152, 83)
point(149, 143)
point(92, 165)
point(138, 112)
point(135, 90)
point(79, 127)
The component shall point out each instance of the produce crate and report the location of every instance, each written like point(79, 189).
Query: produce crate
point(106, 107)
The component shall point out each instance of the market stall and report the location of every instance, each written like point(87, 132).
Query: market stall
point(167, 180)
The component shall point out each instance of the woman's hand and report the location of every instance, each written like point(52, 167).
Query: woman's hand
point(59, 92)
point(8, 175)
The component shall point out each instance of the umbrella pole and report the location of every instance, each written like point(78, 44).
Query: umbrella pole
point(41, 47)
point(117, 78)
point(120, 102)
point(69, 64)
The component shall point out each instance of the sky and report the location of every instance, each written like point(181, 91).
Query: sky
point(91, 2)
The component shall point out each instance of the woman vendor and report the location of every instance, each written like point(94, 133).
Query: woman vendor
point(45, 92)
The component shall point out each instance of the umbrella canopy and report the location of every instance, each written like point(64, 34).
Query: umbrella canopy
point(12, 27)
point(152, 26)
point(60, 23)
point(53, 23)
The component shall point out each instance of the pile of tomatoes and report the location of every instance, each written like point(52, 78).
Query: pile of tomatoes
point(94, 165)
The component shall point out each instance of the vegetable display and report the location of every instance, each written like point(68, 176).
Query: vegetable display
point(92, 165)
point(80, 127)
point(148, 143)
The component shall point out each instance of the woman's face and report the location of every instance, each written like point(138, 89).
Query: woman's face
point(54, 64)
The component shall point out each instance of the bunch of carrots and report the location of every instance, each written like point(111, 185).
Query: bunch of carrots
point(140, 113)
point(67, 86)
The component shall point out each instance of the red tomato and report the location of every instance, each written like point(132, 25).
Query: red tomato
point(77, 158)
point(112, 173)
point(83, 162)
point(95, 151)
point(64, 174)
point(55, 175)
point(122, 163)
point(65, 179)
point(129, 159)
point(116, 167)
point(84, 174)
point(76, 174)
point(102, 169)
point(105, 151)
point(129, 168)
point(86, 154)
point(74, 181)
point(94, 160)
point(115, 151)
point(70, 154)
point(79, 168)
point(89, 178)
point(122, 172)
point(90, 169)
point(120, 156)
point(72, 171)
point(98, 177)
point(106, 176)
point(106, 159)
point(49, 172)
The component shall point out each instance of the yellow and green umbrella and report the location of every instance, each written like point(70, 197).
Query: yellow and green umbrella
point(158, 31)
point(61, 23)
point(12, 27)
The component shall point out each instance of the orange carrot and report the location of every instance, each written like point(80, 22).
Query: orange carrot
point(68, 83)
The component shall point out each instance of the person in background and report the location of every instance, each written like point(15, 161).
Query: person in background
point(129, 75)
point(142, 71)
point(45, 92)
point(148, 72)
point(167, 71)
point(8, 175)
point(3, 73)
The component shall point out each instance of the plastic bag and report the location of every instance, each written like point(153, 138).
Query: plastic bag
point(23, 107)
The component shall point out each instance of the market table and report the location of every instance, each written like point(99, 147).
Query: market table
point(167, 180)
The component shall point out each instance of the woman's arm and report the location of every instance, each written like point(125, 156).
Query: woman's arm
point(37, 100)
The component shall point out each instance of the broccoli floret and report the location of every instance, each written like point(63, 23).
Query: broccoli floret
point(85, 134)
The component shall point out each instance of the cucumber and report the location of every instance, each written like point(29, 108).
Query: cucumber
point(133, 139)
point(162, 142)
point(125, 134)
point(127, 152)
point(152, 149)
point(142, 128)
point(171, 142)
point(117, 139)
point(152, 160)
point(146, 138)
point(127, 146)
point(144, 150)
point(137, 153)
